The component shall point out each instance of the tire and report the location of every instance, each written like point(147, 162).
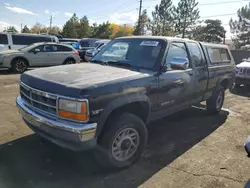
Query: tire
point(19, 65)
point(117, 139)
point(215, 102)
point(69, 61)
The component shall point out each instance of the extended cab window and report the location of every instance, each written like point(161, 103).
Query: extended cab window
point(3, 39)
point(217, 55)
point(176, 49)
point(195, 54)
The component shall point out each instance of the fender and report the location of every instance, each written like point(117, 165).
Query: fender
point(119, 102)
point(19, 57)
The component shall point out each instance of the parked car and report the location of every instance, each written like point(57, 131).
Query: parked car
point(75, 45)
point(12, 41)
point(108, 102)
point(243, 73)
point(92, 52)
point(86, 44)
point(68, 40)
point(38, 55)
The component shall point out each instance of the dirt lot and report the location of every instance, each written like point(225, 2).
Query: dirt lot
point(188, 149)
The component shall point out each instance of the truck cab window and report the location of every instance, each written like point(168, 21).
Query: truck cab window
point(176, 49)
point(3, 39)
point(195, 54)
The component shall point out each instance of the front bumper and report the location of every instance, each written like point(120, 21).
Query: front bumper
point(240, 80)
point(65, 134)
point(87, 58)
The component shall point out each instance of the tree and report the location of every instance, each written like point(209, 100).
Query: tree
point(55, 30)
point(25, 29)
point(38, 28)
point(240, 28)
point(11, 29)
point(70, 28)
point(124, 31)
point(83, 29)
point(213, 31)
point(186, 14)
point(162, 22)
point(141, 25)
point(102, 31)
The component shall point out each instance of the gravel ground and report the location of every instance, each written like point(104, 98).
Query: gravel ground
point(188, 149)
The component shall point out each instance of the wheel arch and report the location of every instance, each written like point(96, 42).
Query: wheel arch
point(19, 57)
point(139, 106)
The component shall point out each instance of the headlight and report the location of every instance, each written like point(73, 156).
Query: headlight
point(74, 110)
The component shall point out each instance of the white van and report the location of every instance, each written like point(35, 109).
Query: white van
point(11, 41)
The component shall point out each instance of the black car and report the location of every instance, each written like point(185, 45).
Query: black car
point(86, 44)
point(107, 103)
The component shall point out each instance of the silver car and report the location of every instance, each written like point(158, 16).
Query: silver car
point(38, 55)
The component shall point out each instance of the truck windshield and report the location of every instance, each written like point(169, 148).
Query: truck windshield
point(138, 52)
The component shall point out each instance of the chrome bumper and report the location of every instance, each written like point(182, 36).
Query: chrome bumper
point(71, 135)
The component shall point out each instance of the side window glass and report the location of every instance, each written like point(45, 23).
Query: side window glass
point(195, 54)
point(3, 39)
point(225, 55)
point(214, 55)
point(45, 48)
point(176, 49)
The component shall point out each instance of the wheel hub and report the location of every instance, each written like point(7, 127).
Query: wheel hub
point(125, 144)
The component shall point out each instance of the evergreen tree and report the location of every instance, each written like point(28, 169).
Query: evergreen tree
point(186, 14)
point(103, 31)
point(162, 22)
point(70, 28)
point(11, 29)
point(240, 28)
point(213, 31)
point(25, 29)
point(84, 28)
point(141, 25)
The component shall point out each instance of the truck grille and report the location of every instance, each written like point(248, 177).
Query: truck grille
point(39, 99)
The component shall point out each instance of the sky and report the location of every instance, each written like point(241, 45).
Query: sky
point(29, 12)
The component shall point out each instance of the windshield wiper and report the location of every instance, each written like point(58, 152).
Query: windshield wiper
point(99, 61)
point(118, 63)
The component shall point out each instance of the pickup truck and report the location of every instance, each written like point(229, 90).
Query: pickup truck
point(107, 103)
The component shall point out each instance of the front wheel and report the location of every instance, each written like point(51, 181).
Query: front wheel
point(122, 142)
point(215, 103)
point(19, 65)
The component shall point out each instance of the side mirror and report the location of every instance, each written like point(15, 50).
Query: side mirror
point(36, 50)
point(179, 63)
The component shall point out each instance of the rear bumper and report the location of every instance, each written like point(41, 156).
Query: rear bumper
point(67, 135)
point(239, 80)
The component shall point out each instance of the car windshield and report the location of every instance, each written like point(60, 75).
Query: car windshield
point(95, 44)
point(27, 48)
point(142, 53)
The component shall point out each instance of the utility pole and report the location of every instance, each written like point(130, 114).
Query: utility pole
point(50, 24)
point(21, 27)
point(139, 18)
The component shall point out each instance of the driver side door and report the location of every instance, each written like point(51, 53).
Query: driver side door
point(41, 58)
point(175, 85)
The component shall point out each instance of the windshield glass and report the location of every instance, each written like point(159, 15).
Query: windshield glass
point(137, 52)
point(27, 48)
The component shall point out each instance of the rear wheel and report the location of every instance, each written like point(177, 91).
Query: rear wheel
point(19, 65)
point(69, 61)
point(122, 142)
point(215, 103)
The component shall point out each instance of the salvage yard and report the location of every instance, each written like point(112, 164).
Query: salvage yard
point(188, 149)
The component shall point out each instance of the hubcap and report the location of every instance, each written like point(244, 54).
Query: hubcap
point(219, 100)
point(125, 144)
point(69, 62)
point(21, 66)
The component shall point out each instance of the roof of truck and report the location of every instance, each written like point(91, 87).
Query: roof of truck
point(158, 37)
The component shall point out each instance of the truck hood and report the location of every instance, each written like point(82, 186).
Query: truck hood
point(243, 65)
point(60, 79)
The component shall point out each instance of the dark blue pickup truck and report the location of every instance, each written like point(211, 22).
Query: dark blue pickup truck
point(106, 104)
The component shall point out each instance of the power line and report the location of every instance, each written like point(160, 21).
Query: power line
point(231, 14)
point(223, 2)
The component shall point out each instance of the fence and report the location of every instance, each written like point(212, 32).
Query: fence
point(239, 55)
